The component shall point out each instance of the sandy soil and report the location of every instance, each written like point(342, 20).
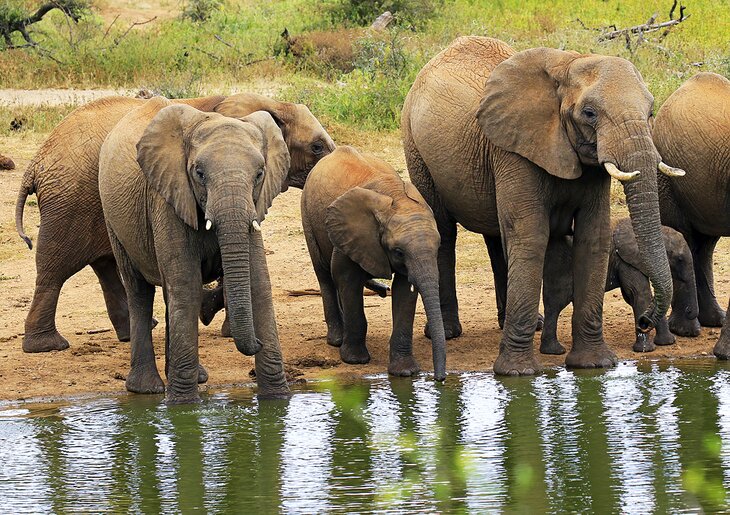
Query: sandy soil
point(97, 362)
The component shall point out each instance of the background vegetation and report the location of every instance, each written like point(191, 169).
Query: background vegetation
point(328, 58)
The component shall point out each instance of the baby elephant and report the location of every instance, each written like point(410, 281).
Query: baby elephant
point(361, 221)
point(183, 194)
point(625, 271)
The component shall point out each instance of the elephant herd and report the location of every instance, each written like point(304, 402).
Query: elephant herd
point(517, 146)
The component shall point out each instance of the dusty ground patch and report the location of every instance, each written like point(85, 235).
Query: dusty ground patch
point(97, 362)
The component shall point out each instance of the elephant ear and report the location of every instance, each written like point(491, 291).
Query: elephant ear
point(353, 223)
point(520, 110)
point(162, 156)
point(626, 246)
point(277, 159)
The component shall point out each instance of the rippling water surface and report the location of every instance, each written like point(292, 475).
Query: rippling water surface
point(643, 439)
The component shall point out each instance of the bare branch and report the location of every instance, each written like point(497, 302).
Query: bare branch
point(643, 28)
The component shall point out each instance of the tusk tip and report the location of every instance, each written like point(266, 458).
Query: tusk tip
point(256, 226)
point(208, 225)
point(670, 170)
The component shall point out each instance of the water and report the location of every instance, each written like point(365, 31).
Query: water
point(649, 438)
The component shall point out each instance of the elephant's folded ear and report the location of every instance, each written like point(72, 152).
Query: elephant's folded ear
point(354, 223)
point(277, 159)
point(520, 110)
point(162, 156)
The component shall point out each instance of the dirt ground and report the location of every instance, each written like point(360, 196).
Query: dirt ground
point(97, 362)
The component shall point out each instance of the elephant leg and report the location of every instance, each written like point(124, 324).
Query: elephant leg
point(41, 334)
point(499, 271)
point(202, 372)
point(212, 303)
point(637, 293)
point(710, 312)
point(557, 292)
point(722, 347)
point(269, 363)
point(524, 225)
point(591, 244)
point(402, 362)
point(226, 328)
point(350, 279)
point(115, 295)
point(183, 291)
point(332, 313)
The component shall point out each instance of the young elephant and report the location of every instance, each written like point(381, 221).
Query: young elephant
point(625, 271)
point(183, 193)
point(362, 221)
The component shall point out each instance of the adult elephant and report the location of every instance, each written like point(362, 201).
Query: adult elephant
point(64, 176)
point(516, 146)
point(692, 131)
point(184, 193)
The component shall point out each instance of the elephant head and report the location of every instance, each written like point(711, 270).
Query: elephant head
point(305, 137)
point(572, 114)
point(222, 173)
point(383, 236)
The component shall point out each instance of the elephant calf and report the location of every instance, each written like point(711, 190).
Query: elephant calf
point(183, 194)
point(625, 271)
point(362, 221)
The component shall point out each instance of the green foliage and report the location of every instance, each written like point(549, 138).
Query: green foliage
point(200, 11)
point(363, 12)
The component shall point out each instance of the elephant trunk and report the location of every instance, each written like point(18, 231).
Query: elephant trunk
point(425, 278)
point(232, 229)
point(639, 154)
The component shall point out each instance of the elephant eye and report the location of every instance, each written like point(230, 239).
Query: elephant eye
point(398, 253)
point(589, 113)
point(200, 173)
point(259, 176)
point(317, 147)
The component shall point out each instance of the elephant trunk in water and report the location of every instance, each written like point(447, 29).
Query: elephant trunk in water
point(642, 198)
point(425, 278)
point(233, 228)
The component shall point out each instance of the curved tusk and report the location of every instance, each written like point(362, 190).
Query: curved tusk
point(617, 174)
point(256, 226)
point(412, 289)
point(208, 225)
point(670, 170)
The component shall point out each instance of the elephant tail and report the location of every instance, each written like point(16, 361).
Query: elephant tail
point(26, 189)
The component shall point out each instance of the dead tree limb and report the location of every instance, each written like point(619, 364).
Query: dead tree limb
point(73, 9)
point(645, 28)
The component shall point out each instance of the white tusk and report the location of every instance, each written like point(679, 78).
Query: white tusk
point(617, 174)
point(412, 289)
point(670, 170)
point(208, 225)
point(256, 226)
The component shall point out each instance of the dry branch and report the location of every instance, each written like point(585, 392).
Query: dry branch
point(645, 28)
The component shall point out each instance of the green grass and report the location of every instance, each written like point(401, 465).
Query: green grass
point(241, 42)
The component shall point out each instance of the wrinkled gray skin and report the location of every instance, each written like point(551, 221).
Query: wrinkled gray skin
point(363, 221)
point(692, 131)
point(167, 173)
point(513, 146)
point(625, 271)
point(64, 175)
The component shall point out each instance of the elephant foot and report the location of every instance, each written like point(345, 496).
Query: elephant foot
point(643, 343)
point(590, 356)
point(551, 346)
point(202, 374)
point(664, 338)
point(684, 327)
point(712, 317)
point(44, 342)
point(403, 366)
point(334, 337)
point(273, 394)
point(226, 329)
point(191, 398)
point(144, 380)
point(722, 347)
point(510, 363)
point(452, 328)
point(354, 355)
point(538, 326)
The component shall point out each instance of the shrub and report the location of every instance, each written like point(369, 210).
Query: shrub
point(363, 12)
point(200, 11)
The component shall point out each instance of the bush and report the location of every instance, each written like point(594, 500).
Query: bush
point(200, 11)
point(363, 12)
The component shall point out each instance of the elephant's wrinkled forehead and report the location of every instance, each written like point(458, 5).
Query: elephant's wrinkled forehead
point(610, 78)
